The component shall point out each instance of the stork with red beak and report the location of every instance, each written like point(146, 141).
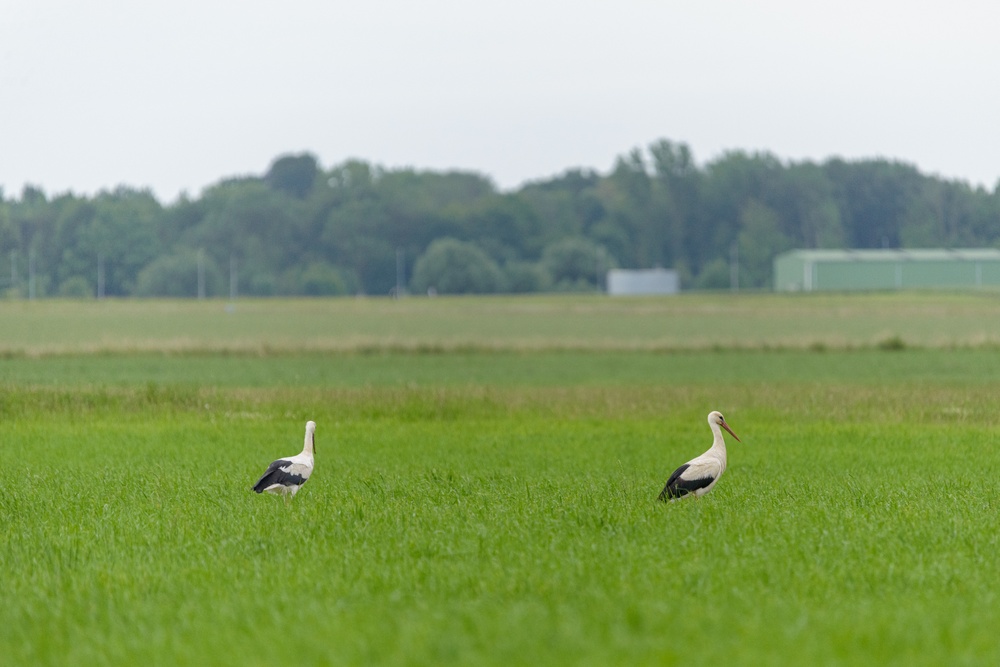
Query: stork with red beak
point(699, 475)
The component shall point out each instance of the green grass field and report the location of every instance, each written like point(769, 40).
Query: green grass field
point(493, 502)
point(694, 321)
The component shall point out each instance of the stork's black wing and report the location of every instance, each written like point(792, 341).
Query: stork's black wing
point(278, 472)
point(677, 486)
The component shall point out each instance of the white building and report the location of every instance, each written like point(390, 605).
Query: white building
point(646, 281)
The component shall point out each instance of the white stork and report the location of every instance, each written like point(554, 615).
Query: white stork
point(286, 476)
point(699, 475)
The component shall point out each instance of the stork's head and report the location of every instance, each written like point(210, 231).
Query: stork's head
point(715, 418)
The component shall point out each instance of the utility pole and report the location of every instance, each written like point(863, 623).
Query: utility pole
point(232, 277)
point(201, 273)
point(399, 273)
point(598, 266)
point(734, 266)
point(100, 276)
point(31, 275)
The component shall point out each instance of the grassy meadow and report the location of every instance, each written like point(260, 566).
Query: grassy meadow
point(486, 481)
point(692, 321)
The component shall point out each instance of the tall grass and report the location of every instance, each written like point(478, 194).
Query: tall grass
point(184, 372)
point(485, 521)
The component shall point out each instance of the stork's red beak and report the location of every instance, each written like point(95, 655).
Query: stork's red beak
point(726, 426)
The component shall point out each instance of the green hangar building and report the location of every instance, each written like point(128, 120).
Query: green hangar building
point(814, 270)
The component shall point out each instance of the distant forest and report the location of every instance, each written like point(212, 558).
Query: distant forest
point(356, 228)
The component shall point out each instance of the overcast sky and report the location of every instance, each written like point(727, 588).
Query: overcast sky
point(175, 96)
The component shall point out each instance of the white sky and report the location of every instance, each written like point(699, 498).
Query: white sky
point(177, 95)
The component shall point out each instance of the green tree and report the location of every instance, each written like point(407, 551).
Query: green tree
point(677, 193)
point(294, 175)
point(317, 278)
point(176, 275)
point(451, 266)
point(73, 258)
point(567, 205)
point(32, 228)
point(505, 227)
point(632, 219)
point(261, 229)
point(525, 277)
point(873, 198)
point(715, 275)
point(76, 287)
point(803, 199)
point(123, 236)
point(760, 240)
point(576, 263)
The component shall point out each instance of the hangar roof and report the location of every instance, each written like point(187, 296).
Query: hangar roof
point(897, 255)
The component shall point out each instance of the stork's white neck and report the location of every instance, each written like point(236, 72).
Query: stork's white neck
point(718, 444)
point(309, 444)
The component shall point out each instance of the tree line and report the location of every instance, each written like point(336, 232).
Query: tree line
point(357, 228)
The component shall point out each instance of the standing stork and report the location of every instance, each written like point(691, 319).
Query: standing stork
point(286, 476)
point(699, 475)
